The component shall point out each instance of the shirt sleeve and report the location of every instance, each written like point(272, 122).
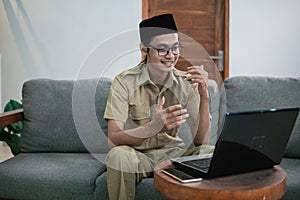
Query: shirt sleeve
point(117, 102)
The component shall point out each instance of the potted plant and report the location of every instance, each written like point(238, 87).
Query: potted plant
point(11, 133)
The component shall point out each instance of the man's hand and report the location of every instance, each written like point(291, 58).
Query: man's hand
point(168, 118)
point(197, 74)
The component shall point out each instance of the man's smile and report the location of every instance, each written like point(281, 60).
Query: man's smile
point(168, 63)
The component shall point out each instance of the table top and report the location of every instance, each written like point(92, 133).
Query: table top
point(263, 184)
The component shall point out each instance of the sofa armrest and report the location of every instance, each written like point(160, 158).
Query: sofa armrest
point(10, 117)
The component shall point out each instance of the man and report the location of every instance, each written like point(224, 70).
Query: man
point(148, 103)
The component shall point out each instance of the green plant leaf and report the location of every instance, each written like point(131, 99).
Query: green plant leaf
point(12, 140)
point(15, 127)
point(5, 136)
point(12, 135)
point(15, 144)
point(12, 105)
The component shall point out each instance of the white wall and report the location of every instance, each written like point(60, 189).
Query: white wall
point(53, 38)
point(264, 37)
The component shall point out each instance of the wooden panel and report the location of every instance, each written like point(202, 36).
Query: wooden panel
point(193, 18)
point(226, 39)
point(11, 117)
point(188, 5)
point(203, 37)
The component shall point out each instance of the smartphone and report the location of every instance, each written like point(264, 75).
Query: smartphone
point(180, 175)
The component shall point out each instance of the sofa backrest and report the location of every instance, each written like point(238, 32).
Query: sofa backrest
point(67, 116)
point(252, 93)
point(64, 115)
point(214, 100)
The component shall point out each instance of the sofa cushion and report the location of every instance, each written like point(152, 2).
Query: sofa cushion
point(292, 168)
point(252, 93)
point(64, 115)
point(50, 176)
point(145, 189)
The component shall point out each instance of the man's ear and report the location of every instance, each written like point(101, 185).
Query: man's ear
point(143, 49)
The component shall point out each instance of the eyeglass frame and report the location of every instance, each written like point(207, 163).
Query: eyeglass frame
point(167, 50)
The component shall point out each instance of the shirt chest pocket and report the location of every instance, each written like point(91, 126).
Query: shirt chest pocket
point(139, 114)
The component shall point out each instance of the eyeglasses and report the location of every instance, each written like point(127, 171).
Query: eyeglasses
point(165, 51)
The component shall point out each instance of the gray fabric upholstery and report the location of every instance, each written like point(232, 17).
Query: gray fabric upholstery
point(214, 100)
point(50, 176)
point(101, 187)
point(292, 168)
point(49, 110)
point(145, 189)
point(250, 93)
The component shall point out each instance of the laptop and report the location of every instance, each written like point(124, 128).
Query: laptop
point(249, 141)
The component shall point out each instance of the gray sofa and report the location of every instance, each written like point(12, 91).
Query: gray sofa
point(64, 136)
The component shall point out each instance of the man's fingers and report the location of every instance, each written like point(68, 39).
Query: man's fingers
point(196, 67)
point(196, 70)
point(175, 124)
point(177, 113)
point(173, 108)
point(177, 119)
point(162, 101)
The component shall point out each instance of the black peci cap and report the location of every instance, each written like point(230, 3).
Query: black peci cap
point(157, 25)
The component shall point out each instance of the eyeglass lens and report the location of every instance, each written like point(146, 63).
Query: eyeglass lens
point(175, 50)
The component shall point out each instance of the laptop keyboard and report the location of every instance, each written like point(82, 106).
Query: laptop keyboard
point(201, 164)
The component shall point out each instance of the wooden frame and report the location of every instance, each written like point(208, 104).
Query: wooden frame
point(10, 117)
point(226, 41)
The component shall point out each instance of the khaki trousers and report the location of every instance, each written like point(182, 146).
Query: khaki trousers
point(126, 166)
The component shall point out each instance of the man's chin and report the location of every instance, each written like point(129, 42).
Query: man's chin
point(167, 68)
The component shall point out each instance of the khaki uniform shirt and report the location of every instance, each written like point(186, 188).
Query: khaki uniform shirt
point(133, 94)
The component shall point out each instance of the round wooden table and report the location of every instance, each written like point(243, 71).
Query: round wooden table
point(264, 184)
